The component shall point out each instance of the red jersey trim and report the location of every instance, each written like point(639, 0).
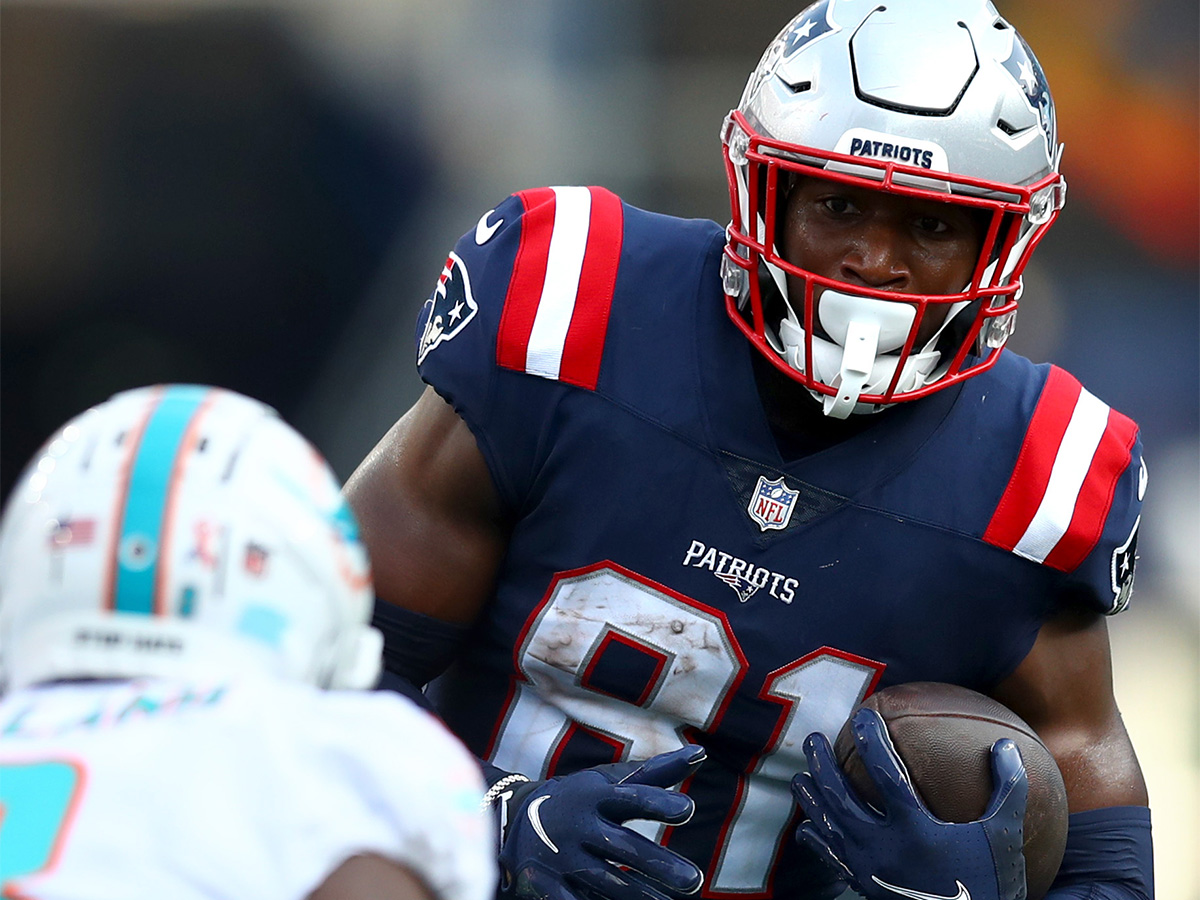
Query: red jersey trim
point(1047, 512)
point(597, 282)
point(556, 327)
point(1096, 497)
point(528, 278)
point(1035, 462)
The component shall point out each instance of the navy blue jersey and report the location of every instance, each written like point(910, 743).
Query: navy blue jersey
point(670, 577)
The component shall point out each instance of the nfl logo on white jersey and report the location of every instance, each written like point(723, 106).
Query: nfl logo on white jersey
point(772, 503)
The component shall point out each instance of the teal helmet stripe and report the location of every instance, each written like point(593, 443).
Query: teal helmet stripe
point(148, 495)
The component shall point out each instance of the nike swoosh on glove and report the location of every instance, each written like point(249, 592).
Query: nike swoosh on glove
point(904, 851)
point(565, 839)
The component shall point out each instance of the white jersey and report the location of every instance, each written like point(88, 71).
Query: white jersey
point(156, 789)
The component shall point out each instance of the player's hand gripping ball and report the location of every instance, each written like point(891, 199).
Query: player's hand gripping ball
point(565, 839)
point(944, 792)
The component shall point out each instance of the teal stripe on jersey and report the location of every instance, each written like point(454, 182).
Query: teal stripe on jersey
point(146, 501)
point(36, 798)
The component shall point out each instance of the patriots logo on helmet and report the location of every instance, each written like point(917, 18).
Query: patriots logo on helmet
point(808, 26)
point(801, 31)
point(1023, 66)
point(450, 308)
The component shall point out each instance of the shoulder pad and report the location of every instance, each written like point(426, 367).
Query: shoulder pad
point(1058, 498)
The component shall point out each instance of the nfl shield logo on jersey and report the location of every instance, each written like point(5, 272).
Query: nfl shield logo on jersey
point(772, 503)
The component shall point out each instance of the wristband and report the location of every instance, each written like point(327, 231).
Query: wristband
point(494, 792)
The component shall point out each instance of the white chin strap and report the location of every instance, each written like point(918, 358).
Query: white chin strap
point(861, 357)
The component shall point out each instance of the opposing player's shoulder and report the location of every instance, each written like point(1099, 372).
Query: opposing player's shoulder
point(387, 715)
point(381, 759)
point(377, 730)
point(532, 287)
point(1072, 476)
point(321, 776)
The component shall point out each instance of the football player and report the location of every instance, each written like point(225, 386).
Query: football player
point(179, 579)
point(680, 493)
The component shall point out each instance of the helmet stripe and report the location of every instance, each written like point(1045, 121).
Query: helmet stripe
point(182, 455)
point(146, 499)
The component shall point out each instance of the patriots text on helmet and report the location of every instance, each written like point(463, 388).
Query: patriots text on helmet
point(903, 153)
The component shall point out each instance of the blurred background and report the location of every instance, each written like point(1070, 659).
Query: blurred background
point(260, 195)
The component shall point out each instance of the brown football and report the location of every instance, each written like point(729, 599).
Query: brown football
point(944, 734)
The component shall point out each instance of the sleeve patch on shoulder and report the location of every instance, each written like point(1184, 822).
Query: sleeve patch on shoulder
point(556, 311)
point(1124, 559)
point(1061, 490)
point(450, 307)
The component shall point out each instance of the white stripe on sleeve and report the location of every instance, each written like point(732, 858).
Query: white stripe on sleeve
point(1071, 465)
point(572, 212)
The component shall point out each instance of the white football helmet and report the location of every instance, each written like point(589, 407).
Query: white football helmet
point(183, 530)
point(935, 99)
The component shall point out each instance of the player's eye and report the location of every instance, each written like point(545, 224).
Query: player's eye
point(932, 225)
point(839, 206)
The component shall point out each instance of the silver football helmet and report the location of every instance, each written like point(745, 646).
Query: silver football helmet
point(180, 531)
point(934, 99)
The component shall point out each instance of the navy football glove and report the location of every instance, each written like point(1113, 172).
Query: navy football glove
point(905, 851)
point(564, 839)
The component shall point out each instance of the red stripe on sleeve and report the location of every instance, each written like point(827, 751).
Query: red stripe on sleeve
point(584, 345)
point(528, 278)
point(1096, 496)
point(1035, 462)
